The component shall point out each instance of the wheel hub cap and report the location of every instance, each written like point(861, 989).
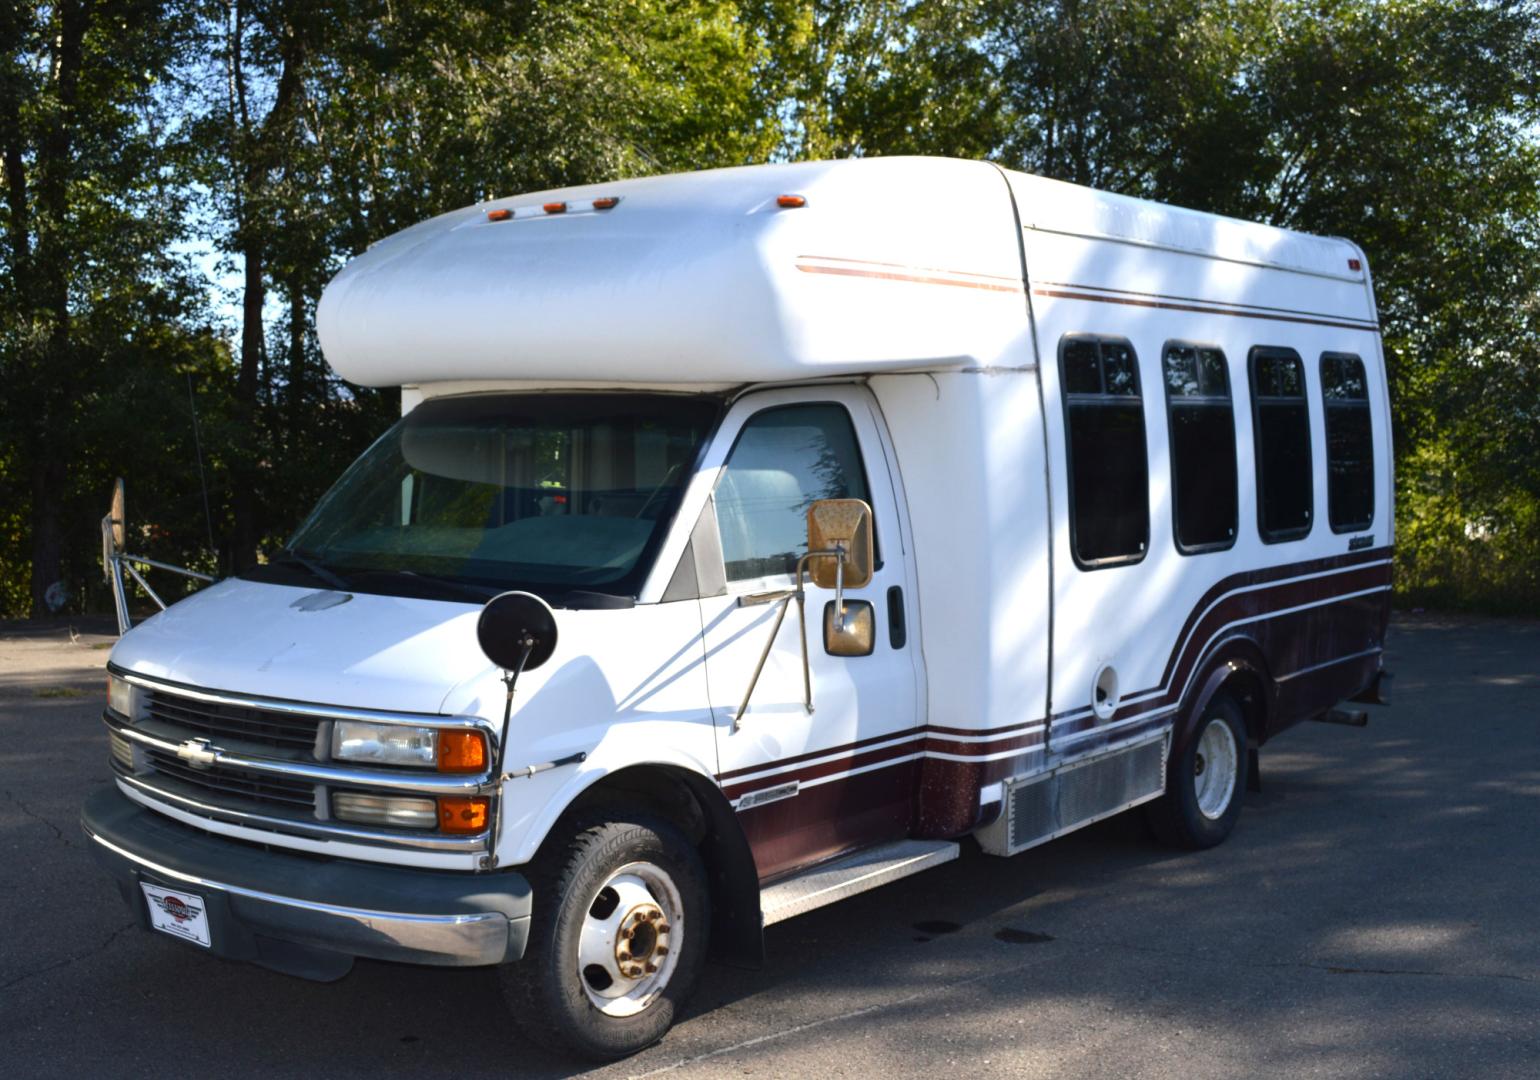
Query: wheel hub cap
point(1215, 766)
point(625, 956)
point(643, 939)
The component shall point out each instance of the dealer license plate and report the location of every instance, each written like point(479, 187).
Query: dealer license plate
point(180, 914)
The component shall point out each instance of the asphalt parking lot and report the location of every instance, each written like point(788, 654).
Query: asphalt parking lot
point(1376, 913)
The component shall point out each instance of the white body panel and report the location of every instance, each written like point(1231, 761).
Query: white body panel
point(910, 276)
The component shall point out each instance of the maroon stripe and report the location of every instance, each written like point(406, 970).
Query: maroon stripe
point(1190, 644)
point(1023, 742)
point(914, 732)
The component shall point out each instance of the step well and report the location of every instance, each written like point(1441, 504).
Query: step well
point(852, 874)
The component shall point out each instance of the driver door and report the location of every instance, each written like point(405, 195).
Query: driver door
point(810, 785)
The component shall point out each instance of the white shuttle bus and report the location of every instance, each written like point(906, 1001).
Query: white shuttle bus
point(748, 540)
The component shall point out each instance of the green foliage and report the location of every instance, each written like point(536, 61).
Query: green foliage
point(287, 135)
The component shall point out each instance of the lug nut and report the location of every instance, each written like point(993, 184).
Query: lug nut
point(662, 928)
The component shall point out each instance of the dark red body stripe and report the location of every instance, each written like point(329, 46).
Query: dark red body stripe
point(1190, 644)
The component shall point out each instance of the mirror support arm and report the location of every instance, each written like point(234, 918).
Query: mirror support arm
point(510, 680)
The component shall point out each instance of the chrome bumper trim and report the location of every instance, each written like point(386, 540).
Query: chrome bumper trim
point(470, 939)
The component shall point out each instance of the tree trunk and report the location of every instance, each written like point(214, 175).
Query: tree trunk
point(243, 542)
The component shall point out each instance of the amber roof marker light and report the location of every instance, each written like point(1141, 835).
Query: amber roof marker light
point(499, 215)
point(791, 202)
point(609, 202)
point(555, 208)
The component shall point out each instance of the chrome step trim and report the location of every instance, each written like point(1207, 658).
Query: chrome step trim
point(850, 875)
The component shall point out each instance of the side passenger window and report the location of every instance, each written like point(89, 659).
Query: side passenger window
point(785, 459)
point(1202, 425)
point(1109, 483)
point(1281, 417)
point(1349, 443)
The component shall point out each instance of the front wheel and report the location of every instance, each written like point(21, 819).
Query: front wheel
point(1204, 780)
point(617, 938)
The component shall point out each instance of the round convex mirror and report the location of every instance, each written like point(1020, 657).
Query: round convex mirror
point(512, 622)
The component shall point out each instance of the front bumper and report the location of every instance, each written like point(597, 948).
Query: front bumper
point(305, 915)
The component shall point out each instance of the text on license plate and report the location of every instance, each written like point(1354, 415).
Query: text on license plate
point(179, 914)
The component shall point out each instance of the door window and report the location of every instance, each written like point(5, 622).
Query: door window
point(785, 459)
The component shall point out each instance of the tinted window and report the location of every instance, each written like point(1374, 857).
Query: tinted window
point(785, 459)
point(1281, 415)
point(1202, 423)
point(1349, 443)
point(1109, 503)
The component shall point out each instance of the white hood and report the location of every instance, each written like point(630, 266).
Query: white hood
point(373, 652)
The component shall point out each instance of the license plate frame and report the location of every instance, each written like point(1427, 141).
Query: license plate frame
point(179, 914)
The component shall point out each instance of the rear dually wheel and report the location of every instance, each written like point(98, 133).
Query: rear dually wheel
point(1204, 780)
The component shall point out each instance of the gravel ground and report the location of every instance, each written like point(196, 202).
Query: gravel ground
point(1374, 914)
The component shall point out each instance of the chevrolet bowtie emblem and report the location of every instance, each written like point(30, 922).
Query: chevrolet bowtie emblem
point(198, 752)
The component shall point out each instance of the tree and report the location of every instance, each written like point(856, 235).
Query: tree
point(87, 132)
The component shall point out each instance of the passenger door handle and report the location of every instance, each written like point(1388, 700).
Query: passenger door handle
point(898, 633)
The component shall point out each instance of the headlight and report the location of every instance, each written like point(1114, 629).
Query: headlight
point(416, 747)
point(384, 744)
point(122, 697)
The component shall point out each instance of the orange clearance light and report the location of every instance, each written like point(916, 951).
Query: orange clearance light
point(555, 208)
point(609, 202)
point(462, 814)
point(499, 215)
point(790, 202)
point(461, 751)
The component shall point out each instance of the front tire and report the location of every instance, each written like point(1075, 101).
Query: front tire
point(617, 938)
point(1204, 781)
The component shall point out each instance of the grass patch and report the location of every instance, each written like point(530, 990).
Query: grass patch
point(60, 691)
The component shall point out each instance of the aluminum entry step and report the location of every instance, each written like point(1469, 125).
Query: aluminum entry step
point(853, 874)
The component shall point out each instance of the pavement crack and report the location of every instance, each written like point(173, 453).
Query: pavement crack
point(95, 950)
point(58, 833)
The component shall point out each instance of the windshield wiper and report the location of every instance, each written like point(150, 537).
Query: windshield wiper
point(316, 569)
point(478, 593)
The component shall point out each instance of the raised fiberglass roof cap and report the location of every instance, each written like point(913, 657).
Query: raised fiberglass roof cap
point(753, 274)
point(693, 278)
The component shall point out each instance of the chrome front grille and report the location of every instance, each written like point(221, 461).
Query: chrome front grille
point(216, 720)
point(260, 789)
point(265, 763)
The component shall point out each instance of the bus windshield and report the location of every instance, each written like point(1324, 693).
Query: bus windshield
point(548, 492)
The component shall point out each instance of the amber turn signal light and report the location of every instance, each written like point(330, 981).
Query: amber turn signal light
point(462, 814)
point(461, 751)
